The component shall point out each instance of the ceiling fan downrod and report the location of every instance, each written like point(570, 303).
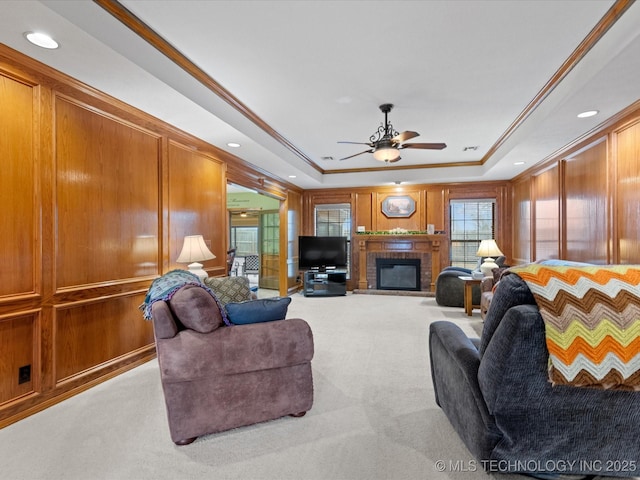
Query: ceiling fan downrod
point(386, 130)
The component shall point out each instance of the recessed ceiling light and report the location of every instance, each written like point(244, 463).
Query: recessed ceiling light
point(233, 145)
point(518, 163)
point(588, 113)
point(292, 176)
point(41, 40)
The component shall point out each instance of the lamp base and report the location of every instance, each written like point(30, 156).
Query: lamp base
point(197, 270)
point(488, 265)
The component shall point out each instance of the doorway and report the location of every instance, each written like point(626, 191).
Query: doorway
point(254, 233)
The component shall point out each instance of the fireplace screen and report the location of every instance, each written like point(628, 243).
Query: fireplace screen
point(398, 274)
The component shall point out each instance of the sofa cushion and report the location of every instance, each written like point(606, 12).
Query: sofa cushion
point(256, 311)
point(229, 289)
point(196, 309)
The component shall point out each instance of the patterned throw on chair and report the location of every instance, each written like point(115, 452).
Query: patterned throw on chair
point(592, 322)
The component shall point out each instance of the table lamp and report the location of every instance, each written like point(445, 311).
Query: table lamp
point(488, 249)
point(194, 250)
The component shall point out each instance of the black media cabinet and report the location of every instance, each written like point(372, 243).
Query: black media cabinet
point(330, 282)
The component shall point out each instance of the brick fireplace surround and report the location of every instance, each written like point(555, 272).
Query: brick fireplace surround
point(425, 247)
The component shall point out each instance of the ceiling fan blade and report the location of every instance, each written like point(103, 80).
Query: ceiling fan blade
point(404, 136)
point(425, 146)
point(355, 155)
point(358, 143)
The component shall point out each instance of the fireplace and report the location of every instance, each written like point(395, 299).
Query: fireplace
point(431, 250)
point(398, 274)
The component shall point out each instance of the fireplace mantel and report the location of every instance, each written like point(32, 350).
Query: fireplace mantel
point(416, 243)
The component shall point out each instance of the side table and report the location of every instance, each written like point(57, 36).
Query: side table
point(469, 282)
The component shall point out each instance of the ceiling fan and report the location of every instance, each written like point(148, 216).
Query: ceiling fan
point(385, 143)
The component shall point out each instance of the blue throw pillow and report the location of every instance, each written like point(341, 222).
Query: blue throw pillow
point(255, 311)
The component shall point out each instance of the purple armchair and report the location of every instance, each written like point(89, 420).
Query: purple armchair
point(217, 377)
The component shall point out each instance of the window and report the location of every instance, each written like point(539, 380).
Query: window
point(334, 220)
point(245, 240)
point(471, 222)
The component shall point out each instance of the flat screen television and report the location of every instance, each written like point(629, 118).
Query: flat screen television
point(321, 253)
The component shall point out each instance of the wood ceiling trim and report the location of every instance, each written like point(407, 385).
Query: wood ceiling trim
point(387, 168)
point(605, 23)
point(126, 17)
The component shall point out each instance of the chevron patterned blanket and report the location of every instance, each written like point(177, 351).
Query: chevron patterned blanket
point(592, 323)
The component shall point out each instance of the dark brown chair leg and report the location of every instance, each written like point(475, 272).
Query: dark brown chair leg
point(186, 441)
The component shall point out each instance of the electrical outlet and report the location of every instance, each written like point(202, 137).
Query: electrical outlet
point(24, 374)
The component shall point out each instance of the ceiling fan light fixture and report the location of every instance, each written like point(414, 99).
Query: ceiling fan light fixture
point(386, 154)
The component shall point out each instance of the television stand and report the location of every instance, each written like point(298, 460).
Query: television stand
point(325, 283)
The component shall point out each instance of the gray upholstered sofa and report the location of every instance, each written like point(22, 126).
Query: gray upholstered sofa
point(496, 393)
point(217, 377)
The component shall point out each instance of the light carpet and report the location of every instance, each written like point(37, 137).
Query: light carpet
point(374, 414)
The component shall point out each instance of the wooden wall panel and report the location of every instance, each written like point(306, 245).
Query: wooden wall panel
point(522, 222)
point(382, 222)
point(18, 334)
point(363, 211)
point(289, 262)
point(197, 188)
point(585, 217)
point(90, 333)
point(107, 198)
point(436, 208)
point(547, 214)
point(18, 196)
point(628, 198)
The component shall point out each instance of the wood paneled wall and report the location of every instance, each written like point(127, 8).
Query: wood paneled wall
point(521, 226)
point(582, 204)
point(291, 216)
point(432, 207)
point(586, 210)
point(97, 197)
point(627, 156)
point(546, 213)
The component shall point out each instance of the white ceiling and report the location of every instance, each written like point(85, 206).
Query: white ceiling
point(458, 72)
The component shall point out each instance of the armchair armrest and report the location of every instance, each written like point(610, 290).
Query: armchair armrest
point(454, 369)
point(486, 285)
point(233, 350)
point(455, 358)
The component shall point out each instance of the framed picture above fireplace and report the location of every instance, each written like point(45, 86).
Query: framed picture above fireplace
point(398, 206)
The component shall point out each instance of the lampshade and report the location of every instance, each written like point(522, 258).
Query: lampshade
point(386, 154)
point(194, 250)
point(489, 249)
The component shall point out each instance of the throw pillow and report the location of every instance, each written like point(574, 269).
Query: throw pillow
point(229, 289)
point(255, 311)
point(196, 309)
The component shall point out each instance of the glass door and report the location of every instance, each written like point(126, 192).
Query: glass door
point(270, 250)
